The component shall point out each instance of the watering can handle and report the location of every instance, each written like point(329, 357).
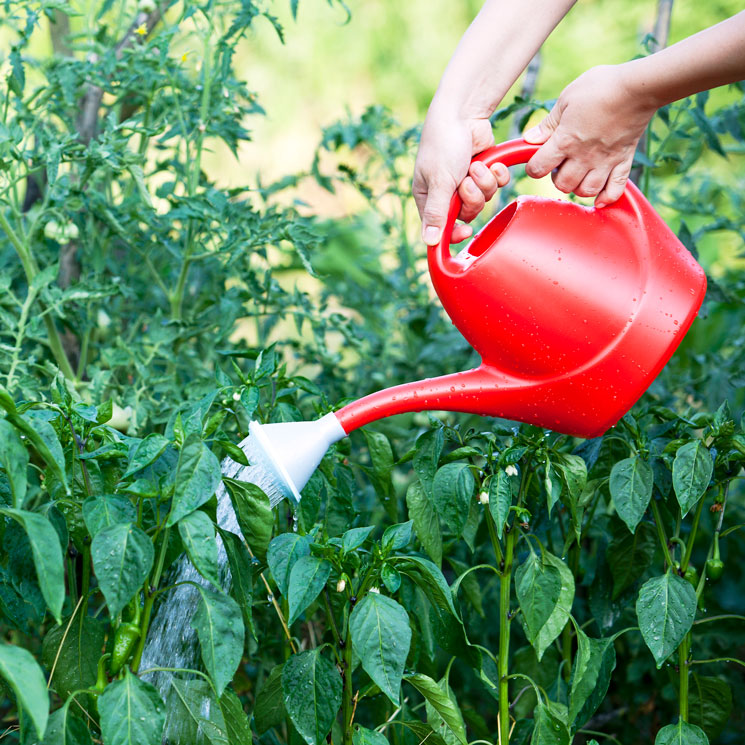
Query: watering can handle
point(511, 153)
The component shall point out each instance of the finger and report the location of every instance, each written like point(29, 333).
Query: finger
point(615, 184)
point(568, 176)
point(435, 212)
point(592, 184)
point(543, 130)
point(472, 198)
point(545, 160)
point(484, 178)
point(461, 232)
point(501, 173)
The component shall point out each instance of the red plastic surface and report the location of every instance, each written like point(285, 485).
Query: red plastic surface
point(573, 310)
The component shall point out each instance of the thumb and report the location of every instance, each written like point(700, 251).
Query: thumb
point(435, 212)
point(541, 132)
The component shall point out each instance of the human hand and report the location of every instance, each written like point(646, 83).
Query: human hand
point(443, 164)
point(590, 136)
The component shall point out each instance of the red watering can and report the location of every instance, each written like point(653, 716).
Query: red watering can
point(574, 311)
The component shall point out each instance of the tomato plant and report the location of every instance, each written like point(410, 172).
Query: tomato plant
point(445, 579)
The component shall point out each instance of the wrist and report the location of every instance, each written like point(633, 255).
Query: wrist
point(640, 86)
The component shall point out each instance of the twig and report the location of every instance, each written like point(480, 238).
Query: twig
point(273, 601)
point(94, 93)
point(661, 33)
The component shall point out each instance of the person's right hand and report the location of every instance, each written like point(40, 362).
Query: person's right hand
point(590, 136)
point(443, 164)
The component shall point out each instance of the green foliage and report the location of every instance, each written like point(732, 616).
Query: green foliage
point(148, 313)
point(666, 608)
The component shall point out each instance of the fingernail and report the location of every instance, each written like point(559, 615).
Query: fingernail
point(599, 205)
point(479, 168)
point(471, 188)
point(532, 133)
point(431, 235)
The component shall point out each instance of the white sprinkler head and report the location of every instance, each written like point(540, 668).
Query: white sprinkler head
point(290, 452)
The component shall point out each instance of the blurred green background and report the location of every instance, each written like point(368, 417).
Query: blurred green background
point(392, 53)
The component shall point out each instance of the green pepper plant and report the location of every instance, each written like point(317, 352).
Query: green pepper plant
point(446, 579)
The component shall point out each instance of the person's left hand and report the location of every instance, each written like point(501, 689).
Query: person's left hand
point(590, 136)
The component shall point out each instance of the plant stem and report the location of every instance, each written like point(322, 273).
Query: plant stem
point(567, 634)
point(31, 270)
point(86, 583)
point(493, 536)
point(149, 600)
point(347, 704)
point(72, 579)
point(683, 651)
point(689, 546)
point(718, 659)
point(661, 532)
point(505, 619)
point(726, 617)
point(22, 321)
point(177, 298)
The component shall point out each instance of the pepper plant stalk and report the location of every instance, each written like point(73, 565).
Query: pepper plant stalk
point(505, 620)
point(505, 617)
point(683, 665)
point(149, 600)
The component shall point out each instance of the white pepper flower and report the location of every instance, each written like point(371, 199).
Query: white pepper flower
point(484, 497)
point(511, 470)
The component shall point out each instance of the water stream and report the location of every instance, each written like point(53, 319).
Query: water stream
point(171, 640)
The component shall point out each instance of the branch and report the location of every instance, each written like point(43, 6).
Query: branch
point(661, 33)
point(93, 95)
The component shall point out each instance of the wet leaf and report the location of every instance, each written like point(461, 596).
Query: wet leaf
point(14, 459)
point(197, 533)
point(23, 674)
point(545, 590)
point(132, 712)
point(219, 626)
point(122, 556)
point(312, 694)
point(307, 579)
point(692, 469)
point(381, 635)
point(47, 554)
point(452, 490)
point(197, 477)
point(426, 522)
point(631, 482)
point(666, 607)
point(681, 733)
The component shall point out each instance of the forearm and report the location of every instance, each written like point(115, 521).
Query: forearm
point(493, 52)
point(713, 57)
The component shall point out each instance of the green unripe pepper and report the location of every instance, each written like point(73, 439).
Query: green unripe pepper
point(126, 637)
point(714, 569)
point(692, 576)
point(715, 565)
point(101, 677)
point(124, 643)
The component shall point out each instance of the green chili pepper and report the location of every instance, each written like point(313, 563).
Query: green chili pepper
point(126, 637)
point(101, 677)
point(692, 575)
point(124, 643)
point(715, 565)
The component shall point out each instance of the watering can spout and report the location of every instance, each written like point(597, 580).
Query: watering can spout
point(477, 391)
point(289, 452)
